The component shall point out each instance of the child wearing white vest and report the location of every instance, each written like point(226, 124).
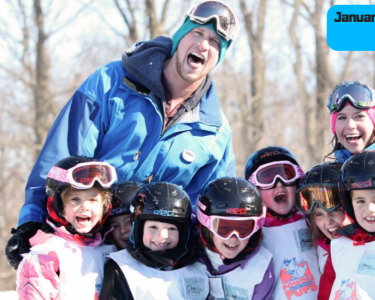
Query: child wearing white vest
point(66, 259)
point(231, 214)
point(350, 268)
point(318, 198)
point(276, 173)
point(158, 262)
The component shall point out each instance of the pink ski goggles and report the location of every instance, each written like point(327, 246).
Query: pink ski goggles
point(225, 227)
point(84, 175)
point(266, 175)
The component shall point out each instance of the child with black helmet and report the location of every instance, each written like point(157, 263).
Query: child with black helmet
point(318, 198)
point(158, 262)
point(350, 268)
point(119, 220)
point(66, 259)
point(230, 215)
point(277, 174)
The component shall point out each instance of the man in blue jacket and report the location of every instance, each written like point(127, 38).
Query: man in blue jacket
point(155, 116)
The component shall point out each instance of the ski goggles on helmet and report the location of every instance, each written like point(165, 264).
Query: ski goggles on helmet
point(84, 175)
point(266, 176)
point(358, 94)
point(226, 22)
point(308, 197)
point(225, 227)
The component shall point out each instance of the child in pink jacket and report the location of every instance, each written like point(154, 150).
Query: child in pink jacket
point(66, 260)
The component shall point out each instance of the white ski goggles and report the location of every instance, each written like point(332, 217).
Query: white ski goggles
point(266, 175)
point(83, 175)
point(225, 227)
point(227, 25)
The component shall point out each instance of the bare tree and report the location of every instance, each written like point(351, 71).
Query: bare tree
point(315, 112)
point(252, 107)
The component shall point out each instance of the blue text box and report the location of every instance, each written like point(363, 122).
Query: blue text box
point(351, 27)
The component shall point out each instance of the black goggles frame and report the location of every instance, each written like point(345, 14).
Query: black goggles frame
point(315, 202)
point(358, 94)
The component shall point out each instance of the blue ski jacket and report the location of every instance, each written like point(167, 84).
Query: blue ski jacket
point(110, 119)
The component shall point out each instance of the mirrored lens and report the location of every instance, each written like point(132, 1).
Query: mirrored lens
point(268, 174)
point(225, 228)
point(86, 174)
point(326, 196)
point(226, 19)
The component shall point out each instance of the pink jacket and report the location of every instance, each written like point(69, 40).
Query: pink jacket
point(40, 275)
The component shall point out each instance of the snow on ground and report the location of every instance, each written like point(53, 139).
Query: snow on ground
point(8, 295)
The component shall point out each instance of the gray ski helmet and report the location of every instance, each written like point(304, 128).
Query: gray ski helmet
point(123, 193)
point(229, 197)
point(162, 202)
point(358, 172)
point(266, 155)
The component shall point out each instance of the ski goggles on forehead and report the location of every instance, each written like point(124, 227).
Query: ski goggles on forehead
point(226, 22)
point(266, 176)
point(225, 227)
point(308, 197)
point(84, 175)
point(358, 94)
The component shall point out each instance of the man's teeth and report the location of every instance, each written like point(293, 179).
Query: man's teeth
point(197, 55)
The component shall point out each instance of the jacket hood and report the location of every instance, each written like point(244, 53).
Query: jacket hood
point(144, 62)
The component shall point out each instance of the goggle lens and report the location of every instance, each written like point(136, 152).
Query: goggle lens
point(226, 23)
point(358, 94)
point(225, 228)
point(87, 174)
point(268, 174)
point(325, 196)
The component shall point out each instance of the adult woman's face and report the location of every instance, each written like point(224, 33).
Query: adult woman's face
point(354, 129)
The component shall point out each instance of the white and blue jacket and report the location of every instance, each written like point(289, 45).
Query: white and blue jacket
point(111, 120)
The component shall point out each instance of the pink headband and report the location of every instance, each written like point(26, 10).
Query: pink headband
point(370, 112)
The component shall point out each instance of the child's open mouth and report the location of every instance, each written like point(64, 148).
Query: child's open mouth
point(280, 197)
point(83, 219)
point(230, 247)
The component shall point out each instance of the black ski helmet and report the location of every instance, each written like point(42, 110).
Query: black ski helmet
point(54, 187)
point(162, 202)
point(123, 193)
point(358, 172)
point(323, 175)
point(230, 197)
point(266, 155)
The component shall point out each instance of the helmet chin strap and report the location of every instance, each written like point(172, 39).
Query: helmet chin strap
point(274, 214)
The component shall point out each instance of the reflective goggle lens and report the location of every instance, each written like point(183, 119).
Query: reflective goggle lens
point(358, 94)
point(268, 174)
point(85, 175)
point(226, 21)
point(225, 228)
point(325, 196)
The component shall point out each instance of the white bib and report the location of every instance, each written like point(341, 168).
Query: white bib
point(295, 261)
point(355, 269)
point(147, 283)
point(239, 283)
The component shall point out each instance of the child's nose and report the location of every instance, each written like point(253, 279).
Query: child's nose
point(372, 206)
point(164, 233)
